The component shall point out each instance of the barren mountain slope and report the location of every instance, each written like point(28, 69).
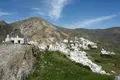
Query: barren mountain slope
point(39, 30)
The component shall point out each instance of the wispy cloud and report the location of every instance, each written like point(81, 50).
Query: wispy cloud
point(39, 12)
point(87, 23)
point(37, 9)
point(4, 13)
point(51, 8)
point(57, 7)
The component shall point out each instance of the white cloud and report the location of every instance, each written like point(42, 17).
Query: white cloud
point(86, 23)
point(51, 8)
point(56, 8)
point(4, 13)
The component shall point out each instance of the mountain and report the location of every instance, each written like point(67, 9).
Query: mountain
point(39, 30)
point(2, 23)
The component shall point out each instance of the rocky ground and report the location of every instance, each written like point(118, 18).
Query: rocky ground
point(16, 61)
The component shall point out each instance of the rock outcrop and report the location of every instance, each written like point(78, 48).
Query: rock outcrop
point(16, 61)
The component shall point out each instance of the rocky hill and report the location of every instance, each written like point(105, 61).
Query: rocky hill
point(39, 30)
point(2, 23)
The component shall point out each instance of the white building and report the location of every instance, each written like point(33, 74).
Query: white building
point(15, 40)
point(107, 52)
point(65, 41)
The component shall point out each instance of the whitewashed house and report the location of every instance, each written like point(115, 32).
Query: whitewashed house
point(65, 41)
point(15, 40)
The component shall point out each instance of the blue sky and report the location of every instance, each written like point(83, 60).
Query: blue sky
point(93, 14)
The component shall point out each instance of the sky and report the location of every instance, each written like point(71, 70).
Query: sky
point(91, 14)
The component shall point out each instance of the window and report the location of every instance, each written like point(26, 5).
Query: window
point(12, 41)
point(19, 41)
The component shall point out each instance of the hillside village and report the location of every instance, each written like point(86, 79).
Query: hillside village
point(59, 39)
point(96, 57)
point(75, 52)
point(73, 49)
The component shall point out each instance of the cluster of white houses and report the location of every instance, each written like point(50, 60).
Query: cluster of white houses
point(82, 43)
point(74, 52)
point(104, 52)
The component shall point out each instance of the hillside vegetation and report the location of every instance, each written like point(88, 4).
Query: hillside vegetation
point(110, 63)
point(55, 66)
